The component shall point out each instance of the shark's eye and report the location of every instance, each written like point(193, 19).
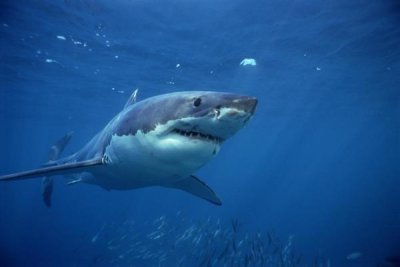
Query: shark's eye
point(197, 102)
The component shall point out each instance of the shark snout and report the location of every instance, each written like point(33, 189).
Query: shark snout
point(247, 104)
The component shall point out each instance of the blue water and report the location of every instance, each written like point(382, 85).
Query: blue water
point(319, 164)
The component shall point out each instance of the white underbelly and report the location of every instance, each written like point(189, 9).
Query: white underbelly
point(133, 163)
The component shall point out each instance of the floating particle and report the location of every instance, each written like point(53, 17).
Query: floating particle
point(49, 60)
point(61, 37)
point(248, 61)
point(121, 91)
point(5, 25)
point(318, 68)
point(97, 34)
point(178, 65)
point(116, 57)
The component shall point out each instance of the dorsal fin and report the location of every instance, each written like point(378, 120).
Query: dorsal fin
point(132, 99)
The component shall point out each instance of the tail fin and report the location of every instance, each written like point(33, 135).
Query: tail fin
point(54, 153)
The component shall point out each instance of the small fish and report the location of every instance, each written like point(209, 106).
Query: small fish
point(354, 255)
point(158, 236)
point(96, 236)
point(216, 233)
point(269, 238)
point(235, 225)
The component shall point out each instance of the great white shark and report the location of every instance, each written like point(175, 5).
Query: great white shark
point(160, 141)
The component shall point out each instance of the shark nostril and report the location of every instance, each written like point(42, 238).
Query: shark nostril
point(217, 112)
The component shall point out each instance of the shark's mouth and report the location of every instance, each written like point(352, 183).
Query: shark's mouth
point(198, 135)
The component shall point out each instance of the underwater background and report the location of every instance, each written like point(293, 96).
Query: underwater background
point(312, 180)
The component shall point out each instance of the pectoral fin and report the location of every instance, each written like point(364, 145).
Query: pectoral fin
point(67, 168)
point(195, 186)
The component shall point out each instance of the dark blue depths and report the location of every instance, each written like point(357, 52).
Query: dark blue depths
point(312, 180)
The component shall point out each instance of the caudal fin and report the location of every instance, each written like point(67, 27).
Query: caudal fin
point(47, 190)
point(54, 153)
point(56, 149)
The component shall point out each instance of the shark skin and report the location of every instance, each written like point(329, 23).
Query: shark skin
point(160, 141)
